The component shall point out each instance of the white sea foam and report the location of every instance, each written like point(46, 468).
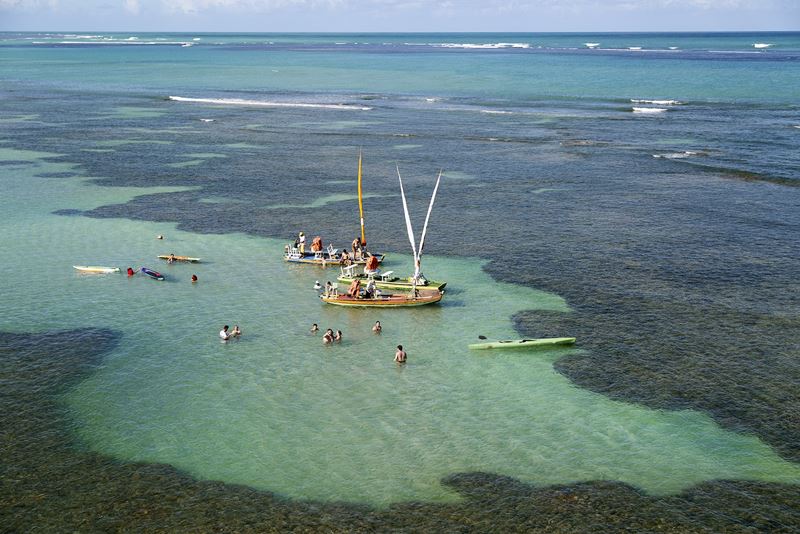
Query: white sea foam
point(762, 45)
point(112, 42)
point(267, 103)
point(673, 48)
point(650, 111)
point(680, 155)
point(656, 102)
point(496, 112)
point(207, 120)
point(481, 45)
point(634, 48)
point(591, 45)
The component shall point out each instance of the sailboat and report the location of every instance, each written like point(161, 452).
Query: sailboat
point(386, 280)
point(416, 296)
point(329, 256)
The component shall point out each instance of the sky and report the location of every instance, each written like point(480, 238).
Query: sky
point(399, 15)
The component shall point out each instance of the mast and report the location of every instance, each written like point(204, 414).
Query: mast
point(410, 233)
point(361, 203)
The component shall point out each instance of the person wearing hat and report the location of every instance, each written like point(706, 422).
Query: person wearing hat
point(301, 243)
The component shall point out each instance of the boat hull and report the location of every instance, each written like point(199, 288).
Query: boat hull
point(155, 275)
point(324, 262)
point(95, 269)
point(385, 301)
point(186, 259)
point(525, 343)
point(392, 283)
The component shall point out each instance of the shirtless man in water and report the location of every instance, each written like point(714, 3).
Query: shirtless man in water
point(400, 356)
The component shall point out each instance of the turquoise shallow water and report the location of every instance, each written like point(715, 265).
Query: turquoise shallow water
point(277, 410)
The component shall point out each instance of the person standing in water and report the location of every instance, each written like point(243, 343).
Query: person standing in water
point(314, 328)
point(338, 336)
point(224, 334)
point(327, 339)
point(400, 356)
point(377, 327)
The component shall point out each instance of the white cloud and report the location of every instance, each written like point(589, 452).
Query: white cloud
point(197, 6)
point(131, 6)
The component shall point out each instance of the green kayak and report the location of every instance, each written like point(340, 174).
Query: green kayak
point(525, 343)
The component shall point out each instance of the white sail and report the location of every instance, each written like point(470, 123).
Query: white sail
point(428, 216)
point(408, 219)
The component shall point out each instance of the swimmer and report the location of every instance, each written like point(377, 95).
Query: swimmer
point(338, 336)
point(400, 356)
point(171, 258)
point(327, 339)
point(314, 328)
point(377, 327)
point(236, 331)
point(224, 334)
point(159, 236)
point(194, 278)
point(317, 285)
point(131, 272)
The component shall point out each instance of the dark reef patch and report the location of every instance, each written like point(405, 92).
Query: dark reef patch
point(49, 485)
point(69, 212)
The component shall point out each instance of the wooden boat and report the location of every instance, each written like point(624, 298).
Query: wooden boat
point(96, 269)
point(324, 258)
point(387, 280)
point(187, 259)
point(546, 342)
point(419, 298)
point(330, 256)
point(155, 275)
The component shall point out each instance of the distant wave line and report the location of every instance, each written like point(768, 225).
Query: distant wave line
point(483, 46)
point(267, 103)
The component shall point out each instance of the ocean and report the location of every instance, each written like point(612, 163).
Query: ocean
point(639, 192)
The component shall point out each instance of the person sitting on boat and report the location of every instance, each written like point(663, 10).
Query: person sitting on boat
point(301, 243)
point(371, 266)
point(345, 259)
point(354, 289)
point(316, 244)
point(377, 328)
point(328, 289)
point(369, 291)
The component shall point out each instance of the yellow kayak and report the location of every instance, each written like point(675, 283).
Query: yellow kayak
point(187, 259)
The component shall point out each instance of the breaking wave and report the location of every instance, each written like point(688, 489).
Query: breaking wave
point(656, 102)
point(267, 103)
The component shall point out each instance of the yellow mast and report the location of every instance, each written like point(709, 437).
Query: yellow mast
point(360, 202)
